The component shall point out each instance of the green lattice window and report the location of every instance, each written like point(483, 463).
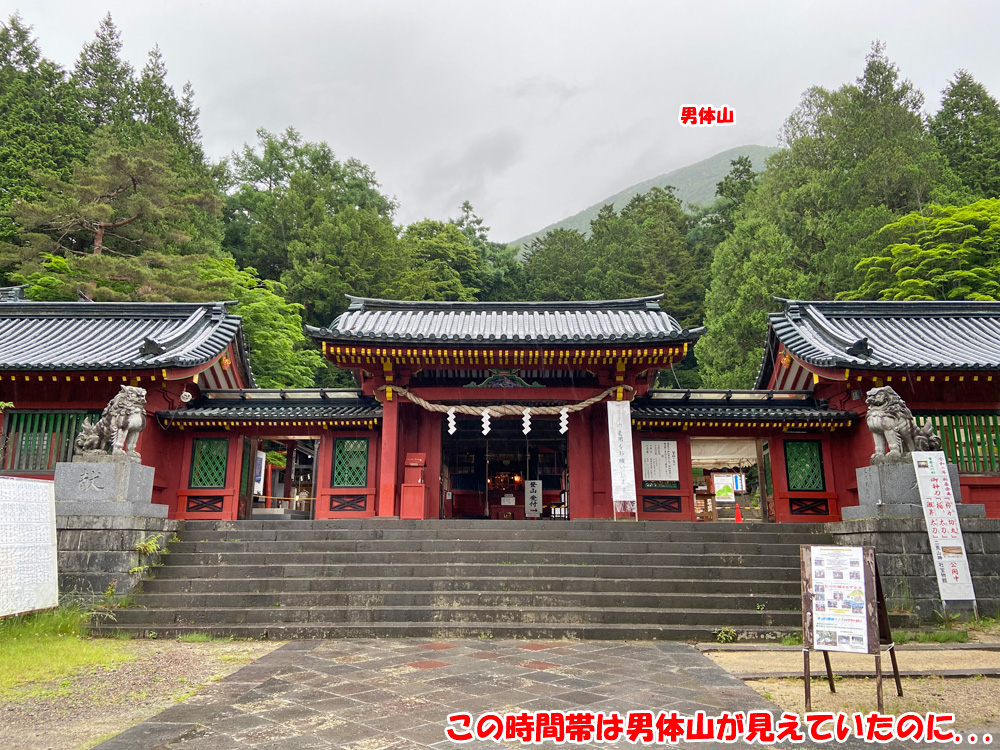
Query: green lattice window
point(350, 462)
point(804, 466)
point(34, 441)
point(209, 457)
point(765, 450)
point(245, 477)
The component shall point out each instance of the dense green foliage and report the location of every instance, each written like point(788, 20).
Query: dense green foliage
point(855, 160)
point(942, 252)
point(107, 194)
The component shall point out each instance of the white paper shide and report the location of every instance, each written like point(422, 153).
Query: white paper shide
point(28, 572)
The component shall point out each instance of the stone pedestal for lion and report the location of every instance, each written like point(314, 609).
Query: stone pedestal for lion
point(889, 490)
point(104, 507)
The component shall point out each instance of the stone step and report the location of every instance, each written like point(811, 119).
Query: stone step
point(445, 630)
point(449, 599)
point(469, 545)
point(556, 615)
point(512, 557)
point(506, 526)
point(748, 588)
point(692, 570)
point(665, 534)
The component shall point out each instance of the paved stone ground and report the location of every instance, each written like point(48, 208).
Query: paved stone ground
point(396, 694)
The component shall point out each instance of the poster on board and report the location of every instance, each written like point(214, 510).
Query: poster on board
point(622, 464)
point(838, 599)
point(659, 461)
point(951, 564)
point(28, 560)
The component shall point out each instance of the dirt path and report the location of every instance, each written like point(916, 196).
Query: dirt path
point(79, 712)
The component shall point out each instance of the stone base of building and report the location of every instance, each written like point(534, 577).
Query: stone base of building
point(909, 579)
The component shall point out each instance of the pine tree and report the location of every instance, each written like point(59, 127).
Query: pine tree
point(105, 79)
point(967, 129)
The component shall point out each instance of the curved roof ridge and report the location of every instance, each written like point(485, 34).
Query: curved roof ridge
point(370, 304)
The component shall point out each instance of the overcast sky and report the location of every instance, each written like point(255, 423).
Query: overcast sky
point(531, 110)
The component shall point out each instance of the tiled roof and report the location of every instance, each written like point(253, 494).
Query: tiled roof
point(918, 335)
point(736, 406)
point(277, 405)
point(638, 320)
point(114, 335)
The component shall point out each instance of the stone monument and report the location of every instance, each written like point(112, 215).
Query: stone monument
point(888, 487)
point(106, 476)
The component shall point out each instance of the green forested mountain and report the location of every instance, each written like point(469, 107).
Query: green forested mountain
point(694, 184)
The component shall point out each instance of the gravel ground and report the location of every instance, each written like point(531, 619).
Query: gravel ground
point(76, 713)
point(975, 700)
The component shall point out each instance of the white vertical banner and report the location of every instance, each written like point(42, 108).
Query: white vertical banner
point(28, 563)
point(951, 564)
point(622, 463)
point(533, 498)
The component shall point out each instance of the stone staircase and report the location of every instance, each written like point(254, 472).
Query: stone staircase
point(450, 578)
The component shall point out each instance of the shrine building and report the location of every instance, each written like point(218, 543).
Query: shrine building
point(500, 410)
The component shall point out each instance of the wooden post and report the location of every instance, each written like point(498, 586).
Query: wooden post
point(389, 460)
point(808, 679)
point(829, 671)
point(878, 681)
point(290, 448)
point(895, 670)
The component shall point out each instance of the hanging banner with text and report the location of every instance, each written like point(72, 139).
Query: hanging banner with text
point(622, 464)
point(943, 528)
point(659, 461)
point(28, 573)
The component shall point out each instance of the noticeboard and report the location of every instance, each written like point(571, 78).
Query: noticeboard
point(28, 553)
point(659, 461)
point(839, 599)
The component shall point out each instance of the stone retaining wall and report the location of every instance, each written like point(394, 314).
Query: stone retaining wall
point(907, 568)
point(95, 551)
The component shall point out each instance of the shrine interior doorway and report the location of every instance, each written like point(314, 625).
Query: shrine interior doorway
point(495, 476)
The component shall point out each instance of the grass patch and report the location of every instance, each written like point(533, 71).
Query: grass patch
point(930, 636)
point(792, 639)
point(195, 637)
point(50, 645)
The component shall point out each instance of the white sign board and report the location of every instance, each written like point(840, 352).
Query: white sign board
point(260, 462)
point(28, 574)
point(659, 461)
point(725, 487)
point(533, 498)
point(943, 528)
point(622, 463)
point(507, 499)
point(838, 606)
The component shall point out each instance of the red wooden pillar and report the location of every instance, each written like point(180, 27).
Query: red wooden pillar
point(389, 460)
point(581, 465)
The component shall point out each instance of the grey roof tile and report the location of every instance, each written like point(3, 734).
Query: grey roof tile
point(916, 335)
point(638, 320)
point(740, 406)
point(277, 405)
point(113, 335)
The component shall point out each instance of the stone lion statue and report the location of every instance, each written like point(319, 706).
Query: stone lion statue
point(892, 426)
point(117, 430)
